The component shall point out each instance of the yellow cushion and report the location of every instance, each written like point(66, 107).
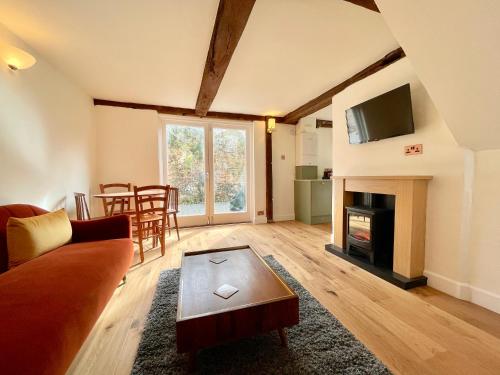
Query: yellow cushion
point(30, 237)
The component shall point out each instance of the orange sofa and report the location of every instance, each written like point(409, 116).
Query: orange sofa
point(49, 305)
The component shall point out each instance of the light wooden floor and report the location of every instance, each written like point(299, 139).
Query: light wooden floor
point(418, 332)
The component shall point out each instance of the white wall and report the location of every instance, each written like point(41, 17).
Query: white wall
point(324, 149)
point(127, 147)
point(259, 139)
point(485, 237)
point(283, 172)
point(453, 47)
point(47, 135)
point(130, 150)
point(324, 140)
point(442, 158)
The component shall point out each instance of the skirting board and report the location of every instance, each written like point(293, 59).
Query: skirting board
point(283, 217)
point(260, 220)
point(464, 291)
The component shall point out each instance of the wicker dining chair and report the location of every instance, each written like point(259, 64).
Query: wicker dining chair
point(151, 216)
point(173, 210)
point(110, 205)
point(82, 210)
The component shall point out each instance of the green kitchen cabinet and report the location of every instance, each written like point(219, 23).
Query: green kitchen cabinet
point(306, 172)
point(313, 201)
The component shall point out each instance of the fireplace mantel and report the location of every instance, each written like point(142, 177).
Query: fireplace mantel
point(409, 221)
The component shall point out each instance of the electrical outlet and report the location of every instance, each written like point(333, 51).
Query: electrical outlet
point(260, 213)
point(282, 156)
point(414, 149)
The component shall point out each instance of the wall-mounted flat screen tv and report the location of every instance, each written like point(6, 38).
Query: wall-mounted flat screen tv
point(385, 116)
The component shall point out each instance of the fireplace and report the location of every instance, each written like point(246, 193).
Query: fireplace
point(406, 196)
point(370, 234)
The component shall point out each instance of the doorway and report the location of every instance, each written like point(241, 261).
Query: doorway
point(210, 164)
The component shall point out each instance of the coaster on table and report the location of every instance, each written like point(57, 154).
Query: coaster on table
point(218, 260)
point(225, 291)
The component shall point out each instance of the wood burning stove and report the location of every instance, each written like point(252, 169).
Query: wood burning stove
point(370, 234)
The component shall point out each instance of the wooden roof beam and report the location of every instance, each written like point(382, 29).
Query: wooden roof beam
point(232, 17)
point(325, 99)
point(368, 4)
point(184, 111)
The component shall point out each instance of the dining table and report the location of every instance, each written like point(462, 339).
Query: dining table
point(120, 197)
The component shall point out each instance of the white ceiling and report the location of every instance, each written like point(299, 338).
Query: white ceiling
point(294, 50)
point(453, 46)
point(128, 50)
point(154, 51)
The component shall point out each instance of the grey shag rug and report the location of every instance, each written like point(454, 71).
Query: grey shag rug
point(319, 344)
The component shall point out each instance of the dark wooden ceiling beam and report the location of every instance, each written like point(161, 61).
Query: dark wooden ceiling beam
point(325, 99)
point(184, 111)
point(232, 17)
point(293, 117)
point(269, 175)
point(368, 4)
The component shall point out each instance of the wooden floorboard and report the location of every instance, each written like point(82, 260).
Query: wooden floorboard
point(422, 331)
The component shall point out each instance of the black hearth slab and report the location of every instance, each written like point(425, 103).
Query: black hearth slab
point(384, 273)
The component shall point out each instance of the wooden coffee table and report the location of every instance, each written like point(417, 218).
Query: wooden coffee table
point(263, 303)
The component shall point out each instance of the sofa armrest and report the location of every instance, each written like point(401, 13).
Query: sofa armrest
point(101, 229)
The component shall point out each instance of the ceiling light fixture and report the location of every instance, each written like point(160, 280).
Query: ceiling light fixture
point(271, 124)
point(15, 58)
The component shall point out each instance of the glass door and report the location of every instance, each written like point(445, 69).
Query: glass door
point(209, 163)
point(229, 165)
point(186, 169)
